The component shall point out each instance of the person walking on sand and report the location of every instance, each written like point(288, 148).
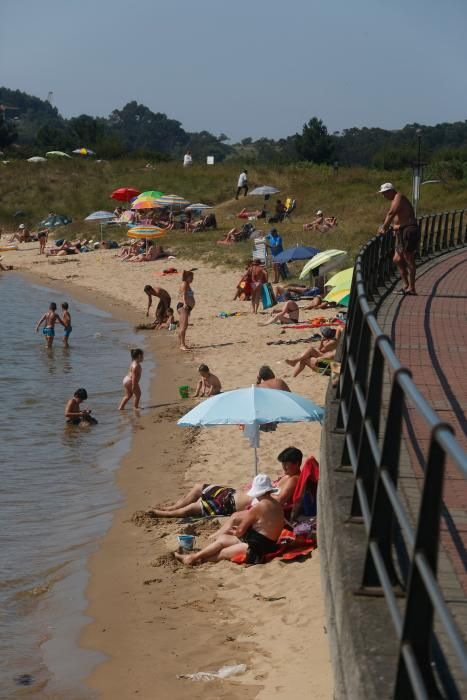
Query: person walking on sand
point(185, 306)
point(66, 317)
point(131, 380)
point(259, 276)
point(163, 305)
point(406, 232)
point(242, 184)
point(49, 319)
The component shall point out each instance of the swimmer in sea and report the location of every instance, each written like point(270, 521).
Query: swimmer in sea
point(49, 319)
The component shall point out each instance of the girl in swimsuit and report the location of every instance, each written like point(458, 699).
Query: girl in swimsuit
point(185, 306)
point(131, 380)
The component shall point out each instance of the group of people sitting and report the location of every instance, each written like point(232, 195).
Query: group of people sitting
point(138, 251)
point(255, 517)
point(321, 223)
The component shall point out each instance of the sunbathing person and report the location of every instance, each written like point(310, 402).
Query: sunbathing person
point(154, 252)
point(257, 214)
point(254, 532)
point(211, 499)
point(267, 380)
point(309, 358)
point(127, 251)
point(316, 223)
point(288, 314)
point(230, 237)
point(65, 249)
point(22, 235)
point(319, 303)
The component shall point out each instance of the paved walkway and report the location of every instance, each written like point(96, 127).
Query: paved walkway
point(429, 333)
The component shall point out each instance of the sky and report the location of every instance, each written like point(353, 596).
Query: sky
point(257, 68)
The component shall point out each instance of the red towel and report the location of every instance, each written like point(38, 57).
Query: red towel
point(289, 546)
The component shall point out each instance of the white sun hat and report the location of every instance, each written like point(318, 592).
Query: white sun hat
point(261, 486)
point(319, 212)
point(385, 187)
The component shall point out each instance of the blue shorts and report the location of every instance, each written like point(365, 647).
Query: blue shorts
point(49, 332)
point(67, 332)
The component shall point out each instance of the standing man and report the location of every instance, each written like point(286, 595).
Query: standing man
point(407, 234)
point(242, 183)
point(187, 159)
point(274, 243)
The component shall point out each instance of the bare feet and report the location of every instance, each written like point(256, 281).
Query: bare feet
point(186, 559)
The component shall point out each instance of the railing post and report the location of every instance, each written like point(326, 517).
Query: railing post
point(418, 620)
point(431, 238)
point(460, 227)
point(452, 228)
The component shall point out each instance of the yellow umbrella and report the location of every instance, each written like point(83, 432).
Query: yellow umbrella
point(339, 294)
point(344, 277)
point(146, 232)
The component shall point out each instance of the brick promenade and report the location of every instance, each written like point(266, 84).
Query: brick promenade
point(429, 333)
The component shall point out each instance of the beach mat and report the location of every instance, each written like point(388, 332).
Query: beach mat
point(268, 298)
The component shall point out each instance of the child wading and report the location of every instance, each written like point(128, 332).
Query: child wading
point(49, 320)
point(131, 380)
point(74, 414)
point(66, 318)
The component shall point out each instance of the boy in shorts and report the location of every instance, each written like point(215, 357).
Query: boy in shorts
point(66, 318)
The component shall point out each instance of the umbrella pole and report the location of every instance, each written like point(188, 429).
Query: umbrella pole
point(256, 461)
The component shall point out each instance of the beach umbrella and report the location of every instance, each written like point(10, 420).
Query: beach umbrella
point(100, 216)
point(198, 207)
point(37, 159)
point(344, 277)
point(84, 152)
point(124, 194)
point(57, 154)
point(145, 204)
point(146, 232)
point(341, 294)
point(321, 259)
point(150, 194)
point(55, 220)
point(253, 407)
point(172, 200)
point(298, 252)
point(263, 191)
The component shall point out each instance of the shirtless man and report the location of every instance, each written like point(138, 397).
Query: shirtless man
point(253, 532)
point(209, 384)
point(407, 234)
point(309, 358)
point(210, 499)
point(163, 305)
point(259, 276)
point(49, 319)
point(289, 313)
point(268, 380)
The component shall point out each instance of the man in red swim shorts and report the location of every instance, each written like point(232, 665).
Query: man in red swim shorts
point(401, 218)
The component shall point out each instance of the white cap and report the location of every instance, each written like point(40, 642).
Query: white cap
point(386, 187)
point(319, 212)
point(22, 226)
point(261, 486)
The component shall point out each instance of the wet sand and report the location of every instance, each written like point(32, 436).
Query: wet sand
point(153, 618)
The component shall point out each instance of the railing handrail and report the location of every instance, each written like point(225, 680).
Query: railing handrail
point(372, 449)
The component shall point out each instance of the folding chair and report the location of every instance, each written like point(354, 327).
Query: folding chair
point(291, 206)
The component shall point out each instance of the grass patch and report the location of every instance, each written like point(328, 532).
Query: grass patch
point(78, 187)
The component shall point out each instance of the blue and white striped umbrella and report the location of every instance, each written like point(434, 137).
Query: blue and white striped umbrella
point(100, 216)
point(172, 200)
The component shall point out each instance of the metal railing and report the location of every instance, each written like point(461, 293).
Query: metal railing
point(372, 425)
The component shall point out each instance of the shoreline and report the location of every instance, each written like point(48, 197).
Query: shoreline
point(152, 618)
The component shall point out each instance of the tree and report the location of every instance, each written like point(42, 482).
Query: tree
point(314, 143)
point(140, 128)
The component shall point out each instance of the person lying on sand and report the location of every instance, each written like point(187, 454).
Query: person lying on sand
point(211, 499)
point(209, 384)
point(232, 236)
point(319, 303)
point(67, 248)
point(267, 380)
point(253, 532)
point(289, 313)
point(327, 350)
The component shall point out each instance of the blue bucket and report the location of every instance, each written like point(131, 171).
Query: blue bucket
point(186, 542)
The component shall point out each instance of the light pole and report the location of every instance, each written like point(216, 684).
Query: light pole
point(417, 173)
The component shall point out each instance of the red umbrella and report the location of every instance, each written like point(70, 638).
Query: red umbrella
point(125, 194)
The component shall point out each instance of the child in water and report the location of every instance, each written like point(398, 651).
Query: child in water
point(49, 319)
point(209, 384)
point(131, 380)
point(74, 414)
point(66, 318)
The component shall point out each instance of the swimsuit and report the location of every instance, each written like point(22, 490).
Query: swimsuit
point(258, 546)
point(48, 332)
point(407, 238)
point(217, 500)
point(67, 331)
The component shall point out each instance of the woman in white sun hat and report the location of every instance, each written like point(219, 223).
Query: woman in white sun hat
point(253, 532)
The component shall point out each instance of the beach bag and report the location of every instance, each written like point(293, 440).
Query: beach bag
point(268, 298)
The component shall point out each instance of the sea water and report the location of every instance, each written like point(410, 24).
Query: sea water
point(57, 487)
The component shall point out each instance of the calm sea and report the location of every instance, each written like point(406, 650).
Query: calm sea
point(57, 488)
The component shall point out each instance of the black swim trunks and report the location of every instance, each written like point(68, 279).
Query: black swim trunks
point(407, 238)
point(258, 546)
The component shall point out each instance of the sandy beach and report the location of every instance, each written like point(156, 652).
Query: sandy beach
point(153, 618)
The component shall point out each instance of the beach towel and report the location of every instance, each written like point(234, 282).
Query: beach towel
point(304, 498)
point(289, 546)
point(268, 297)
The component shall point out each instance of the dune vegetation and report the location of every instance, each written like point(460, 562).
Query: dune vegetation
point(79, 187)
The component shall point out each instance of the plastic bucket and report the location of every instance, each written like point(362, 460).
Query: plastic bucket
point(184, 391)
point(186, 542)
